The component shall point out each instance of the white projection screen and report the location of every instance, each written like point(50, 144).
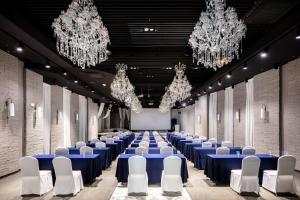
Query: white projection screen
point(150, 119)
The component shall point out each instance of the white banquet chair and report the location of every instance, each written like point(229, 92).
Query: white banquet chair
point(141, 150)
point(197, 141)
point(95, 140)
point(34, 180)
point(100, 145)
point(162, 144)
point(282, 179)
point(246, 179)
point(80, 144)
point(171, 175)
point(189, 138)
point(248, 150)
point(116, 138)
point(85, 150)
point(62, 151)
point(103, 138)
point(226, 144)
point(67, 181)
point(110, 141)
point(212, 140)
point(137, 178)
point(166, 150)
point(222, 150)
point(144, 144)
point(203, 138)
point(206, 144)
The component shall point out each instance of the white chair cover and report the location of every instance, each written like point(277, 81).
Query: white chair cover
point(62, 151)
point(166, 150)
point(162, 144)
point(203, 138)
point(226, 144)
point(67, 181)
point(246, 179)
point(33, 180)
point(110, 141)
point(248, 150)
point(103, 138)
point(95, 140)
point(100, 145)
point(206, 144)
point(189, 138)
point(282, 179)
point(80, 144)
point(222, 150)
point(116, 138)
point(137, 178)
point(141, 150)
point(171, 176)
point(212, 140)
point(85, 150)
point(197, 141)
point(144, 144)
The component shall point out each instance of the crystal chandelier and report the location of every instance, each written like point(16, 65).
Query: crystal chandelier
point(179, 89)
point(216, 36)
point(81, 35)
point(122, 89)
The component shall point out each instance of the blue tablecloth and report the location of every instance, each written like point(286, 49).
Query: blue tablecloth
point(105, 155)
point(138, 141)
point(89, 165)
point(126, 140)
point(218, 167)
point(121, 145)
point(114, 148)
point(137, 144)
point(181, 145)
point(154, 167)
point(188, 150)
point(152, 150)
point(141, 137)
point(200, 155)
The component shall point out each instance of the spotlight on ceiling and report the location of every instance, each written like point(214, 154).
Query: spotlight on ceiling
point(20, 48)
point(298, 33)
point(210, 87)
point(65, 73)
point(150, 103)
point(219, 83)
point(103, 84)
point(75, 81)
point(146, 29)
point(93, 91)
point(48, 66)
point(245, 67)
point(183, 104)
point(229, 75)
point(264, 53)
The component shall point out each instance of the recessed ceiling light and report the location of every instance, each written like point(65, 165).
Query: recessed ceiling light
point(92, 91)
point(151, 29)
point(75, 81)
point(229, 75)
point(219, 83)
point(298, 33)
point(48, 66)
point(183, 104)
point(65, 73)
point(199, 94)
point(103, 84)
point(245, 68)
point(19, 48)
point(264, 53)
point(146, 29)
point(210, 87)
point(150, 103)
point(298, 37)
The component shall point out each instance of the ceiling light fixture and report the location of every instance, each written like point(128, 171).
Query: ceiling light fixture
point(75, 81)
point(219, 83)
point(210, 87)
point(20, 48)
point(65, 73)
point(48, 66)
point(229, 75)
point(264, 53)
point(245, 67)
point(298, 33)
point(104, 84)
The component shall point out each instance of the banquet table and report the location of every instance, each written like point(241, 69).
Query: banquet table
point(218, 167)
point(141, 137)
point(189, 150)
point(126, 140)
point(152, 150)
point(182, 143)
point(138, 141)
point(89, 165)
point(200, 155)
point(121, 145)
point(137, 145)
point(154, 167)
point(114, 148)
point(105, 155)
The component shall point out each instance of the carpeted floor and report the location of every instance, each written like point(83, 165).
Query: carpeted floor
point(198, 188)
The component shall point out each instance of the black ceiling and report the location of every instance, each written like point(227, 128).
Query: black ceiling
point(149, 53)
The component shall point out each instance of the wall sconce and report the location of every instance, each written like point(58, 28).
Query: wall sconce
point(76, 117)
point(264, 114)
point(33, 106)
point(238, 115)
point(219, 117)
point(10, 107)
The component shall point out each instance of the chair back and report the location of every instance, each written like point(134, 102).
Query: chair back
point(159, 139)
point(197, 141)
point(62, 151)
point(144, 144)
point(116, 138)
point(226, 144)
point(212, 140)
point(222, 150)
point(250, 166)
point(29, 166)
point(248, 150)
point(95, 140)
point(85, 150)
point(162, 144)
point(206, 144)
point(103, 138)
point(110, 141)
point(137, 165)
point(166, 150)
point(202, 138)
point(100, 145)
point(141, 150)
point(62, 166)
point(286, 165)
point(172, 165)
point(80, 144)
point(189, 138)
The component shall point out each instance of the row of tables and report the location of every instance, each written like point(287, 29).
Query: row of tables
point(218, 167)
point(91, 166)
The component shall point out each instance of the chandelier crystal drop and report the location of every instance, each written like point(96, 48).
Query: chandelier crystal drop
point(123, 90)
point(81, 34)
point(217, 35)
point(179, 89)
